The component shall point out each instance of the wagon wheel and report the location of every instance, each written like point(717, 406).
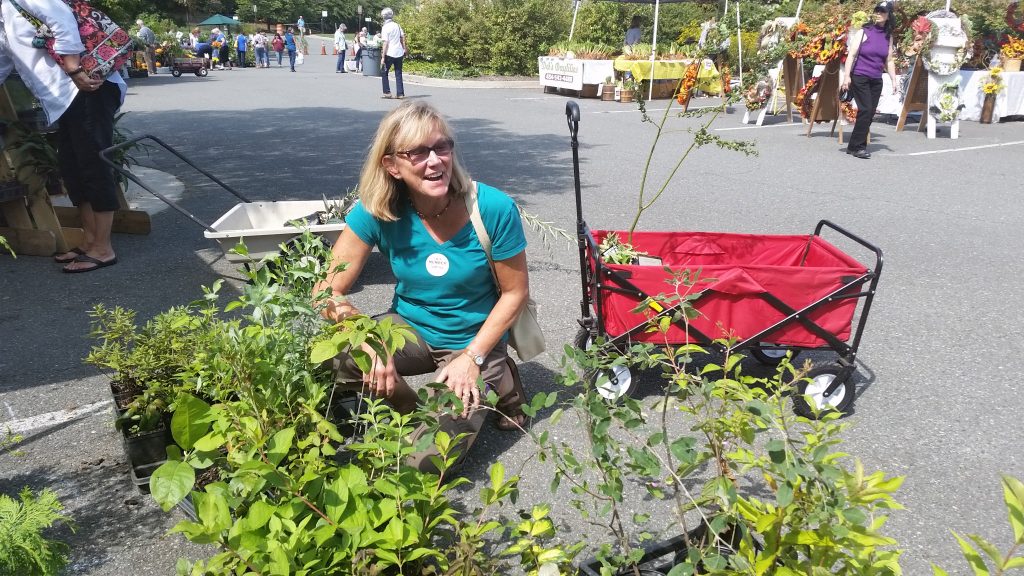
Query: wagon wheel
point(202, 72)
point(770, 357)
point(176, 72)
point(814, 385)
point(611, 383)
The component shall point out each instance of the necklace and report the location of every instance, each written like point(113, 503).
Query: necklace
point(435, 216)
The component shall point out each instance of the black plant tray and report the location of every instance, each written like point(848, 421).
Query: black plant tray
point(658, 559)
point(147, 448)
point(140, 475)
point(188, 508)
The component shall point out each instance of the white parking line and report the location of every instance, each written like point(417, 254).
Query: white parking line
point(51, 419)
point(751, 127)
point(1014, 143)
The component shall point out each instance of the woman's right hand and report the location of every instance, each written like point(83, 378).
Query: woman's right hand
point(382, 377)
point(845, 85)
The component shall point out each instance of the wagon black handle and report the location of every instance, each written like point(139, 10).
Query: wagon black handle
point(572, 116)
point(105, 156)
point(878, 251)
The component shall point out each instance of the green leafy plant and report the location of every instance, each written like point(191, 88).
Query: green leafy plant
point(24, 550)
point(281, 478)
point(753, 489)
point(994, 562)
point(33, 155)
point(6, 246)
point(614, 251)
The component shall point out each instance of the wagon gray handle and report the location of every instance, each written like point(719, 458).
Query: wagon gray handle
point(105, 156)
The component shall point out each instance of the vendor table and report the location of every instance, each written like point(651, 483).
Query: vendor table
point(1009, 102)
point(572, 74)
point(708, 78)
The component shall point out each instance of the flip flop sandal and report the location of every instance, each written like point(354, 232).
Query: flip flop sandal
point(76, 251)
point(509, 423)
point(90, 260)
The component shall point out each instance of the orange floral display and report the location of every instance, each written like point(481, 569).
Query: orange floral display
point(824, 44)
point(689, 81)
point(803, 99)
point(726, 81)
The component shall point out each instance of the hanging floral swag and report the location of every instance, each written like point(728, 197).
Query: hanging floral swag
point(756, 97)
point(947, 104)
point(963, 54)
point(1012, 19)
point(803, 100)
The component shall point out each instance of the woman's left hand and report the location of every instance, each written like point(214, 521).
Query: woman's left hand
point(460, 375)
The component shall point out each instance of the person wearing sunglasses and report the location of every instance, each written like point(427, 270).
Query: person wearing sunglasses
point(871, 52)
point(413, 207)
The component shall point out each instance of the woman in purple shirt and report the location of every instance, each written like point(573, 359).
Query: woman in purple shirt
point(871, 53)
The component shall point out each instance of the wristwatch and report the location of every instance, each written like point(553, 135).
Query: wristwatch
point(477, 359)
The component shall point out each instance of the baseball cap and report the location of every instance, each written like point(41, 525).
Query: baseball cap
point(883, 7)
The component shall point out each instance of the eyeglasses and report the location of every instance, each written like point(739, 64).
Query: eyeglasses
point(419, 154)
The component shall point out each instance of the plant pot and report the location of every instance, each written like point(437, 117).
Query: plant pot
point(147, 448)
point(654, 557)
point(608, 93)
point(987, 108)
point(1011, 65)
point(626, 96)
point(589, 91)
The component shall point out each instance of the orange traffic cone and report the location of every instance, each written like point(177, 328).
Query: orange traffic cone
point(335, 52)
point(323, 49)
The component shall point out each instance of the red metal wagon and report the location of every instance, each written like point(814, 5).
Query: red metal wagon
point(771, 294)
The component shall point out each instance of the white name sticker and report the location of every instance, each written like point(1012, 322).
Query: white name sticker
point(437, 264)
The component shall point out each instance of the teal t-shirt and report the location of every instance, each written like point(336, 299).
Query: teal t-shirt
point(445, 291)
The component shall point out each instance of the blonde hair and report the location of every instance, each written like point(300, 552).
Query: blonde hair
point(404, 127)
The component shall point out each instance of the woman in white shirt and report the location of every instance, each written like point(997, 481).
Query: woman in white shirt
point(85, 107)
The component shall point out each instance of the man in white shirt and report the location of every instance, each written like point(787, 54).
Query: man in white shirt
point(340, 46)
point(392, 53)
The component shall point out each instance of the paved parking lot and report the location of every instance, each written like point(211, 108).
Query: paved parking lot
point(942, 355)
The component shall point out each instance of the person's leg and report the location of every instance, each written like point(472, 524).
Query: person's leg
point(399, 88)
point(148, 56)
point(339, 64)
point(291, 59)
point(860, 86)
point(278, 57)
point(384, 76)
point(341, 54)
point(92, 129)
point(359, 59)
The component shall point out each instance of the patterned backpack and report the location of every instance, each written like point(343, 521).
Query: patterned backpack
point(107, 45)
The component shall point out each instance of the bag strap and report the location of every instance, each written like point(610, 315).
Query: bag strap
point(481, 231)
point(26, 14)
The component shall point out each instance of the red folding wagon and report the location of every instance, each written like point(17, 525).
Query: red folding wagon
point(769, 294)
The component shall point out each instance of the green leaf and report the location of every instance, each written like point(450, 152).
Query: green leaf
point(323, 351)
point(1013, 494)
point(1015, 562)
point(279, 445)
point(190, 421)
point(497, 472)
point(991, 551)
point(171, 482)
point(210, 442)
point(974, 559)
point(936, 571)
point(776, 451)
point(784, 496)
point(259, 513)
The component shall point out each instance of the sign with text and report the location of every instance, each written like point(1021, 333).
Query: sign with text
point(560, 73)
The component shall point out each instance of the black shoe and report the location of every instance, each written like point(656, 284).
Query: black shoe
point(862, 154)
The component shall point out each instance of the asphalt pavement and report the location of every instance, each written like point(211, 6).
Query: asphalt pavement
point(941, 357)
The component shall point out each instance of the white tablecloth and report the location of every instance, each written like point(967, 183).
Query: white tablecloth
point(1009, 102)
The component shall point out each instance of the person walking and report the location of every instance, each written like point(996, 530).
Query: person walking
point(301, 23)
point(289, 45)
point(85, 107)
point(278, 45)
point(392, 53)
point(259, 43)
point(340, 46)
point(871, 52)
point(148, 38)
point(242, 45)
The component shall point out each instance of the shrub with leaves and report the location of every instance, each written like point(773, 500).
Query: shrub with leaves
point(994, 562)
point(24, 550)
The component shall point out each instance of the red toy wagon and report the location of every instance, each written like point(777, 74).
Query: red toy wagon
point(772, 294)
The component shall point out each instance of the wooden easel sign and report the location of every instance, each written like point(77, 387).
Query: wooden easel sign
point(916, 99)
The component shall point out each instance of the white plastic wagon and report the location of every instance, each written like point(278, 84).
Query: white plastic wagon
point(262, 226)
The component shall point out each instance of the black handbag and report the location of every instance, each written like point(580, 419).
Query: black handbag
point(846, 95)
